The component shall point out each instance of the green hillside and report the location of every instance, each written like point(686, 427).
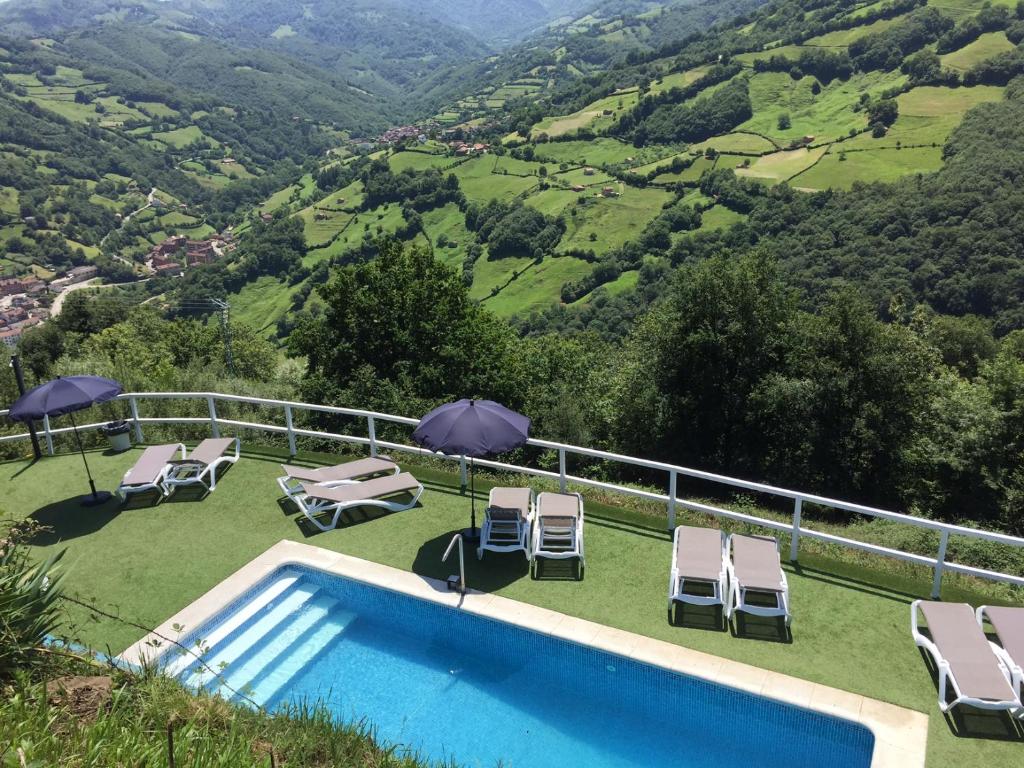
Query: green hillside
point(627, 156)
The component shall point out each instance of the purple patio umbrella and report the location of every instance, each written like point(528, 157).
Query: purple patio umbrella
point(65, 395)
point(475, 429)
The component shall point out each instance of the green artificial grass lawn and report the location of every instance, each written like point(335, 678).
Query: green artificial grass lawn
point(144, 563)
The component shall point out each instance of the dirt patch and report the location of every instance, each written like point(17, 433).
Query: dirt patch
point(83, 697)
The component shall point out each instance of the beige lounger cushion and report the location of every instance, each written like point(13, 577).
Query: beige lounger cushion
point(377, 488)
point(514, 499)
point(558, 508)
point(210, 450)
point(150, 465)
point(961, 642)
point(699, 553)
point(505, 514)
point(756, 562)
point(348, 471)
point(1009, 626)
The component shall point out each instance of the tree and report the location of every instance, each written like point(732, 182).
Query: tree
point(784, 122)
point(406, 320)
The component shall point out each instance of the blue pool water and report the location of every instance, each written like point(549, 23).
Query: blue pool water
point(451, 685)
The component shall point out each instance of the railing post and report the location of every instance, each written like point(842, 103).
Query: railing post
point(49, 435)
point(290, 425)
point(939, 565)
point(214, 426)
point(371, 428)
point(794, 544)
point(672, 480)
point(134, 405)
point(463, 477)
point(561, 470)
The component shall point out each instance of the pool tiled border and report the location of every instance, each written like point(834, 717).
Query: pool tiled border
point(900, 734)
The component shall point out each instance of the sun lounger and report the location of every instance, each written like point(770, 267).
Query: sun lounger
point(754, 567)
point(1008, 624)
point(963, 657)
point(698, 558)
point(558, 529)
point(507, 521)
point(202, 463)
point(316, 500)
point(351, 471)
point(150, 470)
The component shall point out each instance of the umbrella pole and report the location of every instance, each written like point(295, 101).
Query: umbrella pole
point(472, 500)
point(95, 498)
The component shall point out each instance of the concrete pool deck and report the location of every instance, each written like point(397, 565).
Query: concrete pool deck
point(900, 734)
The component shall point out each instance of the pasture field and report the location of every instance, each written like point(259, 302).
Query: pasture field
point(985, 47)
point(9, 200)
point(613, 221)
point(791, 52)
point(826, 116)
point(537, 287)
point(418, 161)
point(261, 303)
point(871, 165)
point(506, 163)
point(348, 198)
point(180, 138)
point(553, 201)
point(156, 109)
point(719, 217)
point(624, 282)
point(737, 142)
point(690, 175)
point(579, 176)
point(928, 115)
point(780, 166)
point(678, 80)
point(600, 151)
point(600, 114)
point(480, 184)
point(843, 37)
point(451, 222)
point(320, 226)
point(383, 220)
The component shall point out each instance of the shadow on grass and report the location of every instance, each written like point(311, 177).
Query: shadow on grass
point(495, 571)
point(68, 519)
point(770, 629)
point(846, 581)
point(710, 618)
point(970, 723)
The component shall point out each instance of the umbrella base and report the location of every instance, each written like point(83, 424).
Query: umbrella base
point(95, 500)
point(470, 534)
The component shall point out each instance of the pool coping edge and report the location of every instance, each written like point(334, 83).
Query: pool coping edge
point(900, 734)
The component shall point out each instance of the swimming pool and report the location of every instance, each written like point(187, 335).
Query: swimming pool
point(453, 685)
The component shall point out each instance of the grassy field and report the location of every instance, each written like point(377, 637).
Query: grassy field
point(985, 47)
point(613, 220)
point(737, 142)
point(719, 217)
point(180, 138)
point(826, 116)
point(843, 37)
point(262, 303)
point(599, 151)
point(871, 165)
point(145, 563)
point(418, 161)
point(678, 80)
point(600, 114)
point(479, 183)
point(537, 287)
point(780, 166)
point(928, 115)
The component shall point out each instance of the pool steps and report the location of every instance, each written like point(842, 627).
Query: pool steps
point(221, 633)
point(226, 653)
point(265, 650)
point(272, 679)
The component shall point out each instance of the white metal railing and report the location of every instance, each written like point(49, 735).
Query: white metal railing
point(671, 499)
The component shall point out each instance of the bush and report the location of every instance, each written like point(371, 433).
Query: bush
point(28, 600)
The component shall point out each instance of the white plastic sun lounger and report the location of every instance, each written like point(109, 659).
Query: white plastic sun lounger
point(150, 470)
point(318, 500)
point(698, 557)
point(558, 529)
point(200, 467)
point(507, 521)
point(754, 566)
point(351, 471)
point(963, 657)
point(1008, 624)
